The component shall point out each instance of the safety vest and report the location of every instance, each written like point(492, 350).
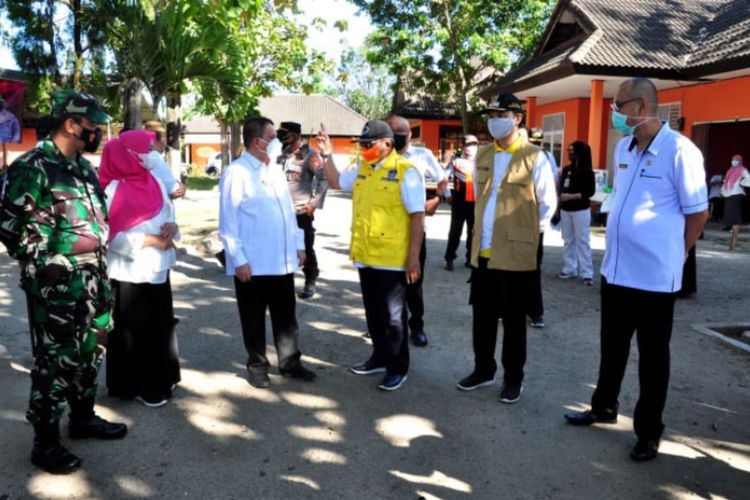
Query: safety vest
point(380, 222)
point(515, 231)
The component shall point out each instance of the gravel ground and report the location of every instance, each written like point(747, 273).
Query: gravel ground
point(340, 437)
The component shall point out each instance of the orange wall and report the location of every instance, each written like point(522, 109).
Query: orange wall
point(14, 150)
point(717, 101)
point(431, 132)
point(199, 160)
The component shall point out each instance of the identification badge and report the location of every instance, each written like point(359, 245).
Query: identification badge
point(622, 165)
point(566, 183)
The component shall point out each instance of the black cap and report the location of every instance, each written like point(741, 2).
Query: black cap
point(289, 128)
point(375, 129)
point(536, 135)
point(505, 102)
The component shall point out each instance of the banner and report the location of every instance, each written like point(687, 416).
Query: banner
point(11, 109)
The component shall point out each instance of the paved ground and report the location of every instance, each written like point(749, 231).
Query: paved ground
point(342, 438)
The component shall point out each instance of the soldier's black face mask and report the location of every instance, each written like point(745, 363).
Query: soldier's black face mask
point(90, 144)
point(399, 142)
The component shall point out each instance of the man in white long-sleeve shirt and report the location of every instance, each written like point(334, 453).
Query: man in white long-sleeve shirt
point(264, 248)
point(515, 197)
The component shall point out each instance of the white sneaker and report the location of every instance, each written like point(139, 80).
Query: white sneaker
point(155, 403)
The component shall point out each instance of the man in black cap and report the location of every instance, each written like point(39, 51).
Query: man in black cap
point(307, 184)
point(515, 197)
point(388, 205)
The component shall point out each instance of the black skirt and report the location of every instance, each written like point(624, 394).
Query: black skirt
point(142, 355)
point(733, 210)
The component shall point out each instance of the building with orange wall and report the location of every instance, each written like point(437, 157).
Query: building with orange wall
point(697, 53)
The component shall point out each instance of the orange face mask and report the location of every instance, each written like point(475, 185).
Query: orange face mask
point(371, 154)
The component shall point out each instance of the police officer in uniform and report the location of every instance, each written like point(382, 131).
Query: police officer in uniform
point(54, 222)
point(307, 184)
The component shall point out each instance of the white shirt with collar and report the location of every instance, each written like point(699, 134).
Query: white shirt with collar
point(257, 224)
point(653, 192)
point(423, 159)
point(127, 259)
point(544, 187)
point(412, 195)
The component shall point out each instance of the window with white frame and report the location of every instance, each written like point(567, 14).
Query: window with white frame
point(671, 112)
point(554, 135)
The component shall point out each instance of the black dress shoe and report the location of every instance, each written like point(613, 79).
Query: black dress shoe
point(644, 450)
point(449, 265)
point(258, 378)
point(588, 417)
point(419, 338)
point(299, 372)
point(96, 427)
point(54, 458)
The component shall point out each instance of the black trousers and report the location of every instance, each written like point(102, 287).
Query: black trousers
point(384, 297)
point(142, 357)
point(415, 294)
point(649, 315)
point(462, 212)
point(689, 275)
point(499, 294)
point(275, 293)
point(536, 303)
point(310, 269)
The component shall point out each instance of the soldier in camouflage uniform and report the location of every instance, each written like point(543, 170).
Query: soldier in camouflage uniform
point(53, 220)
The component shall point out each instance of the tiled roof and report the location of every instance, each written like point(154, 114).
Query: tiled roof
point(427, 107)
point(675, 38)
point(308, 110)
point(312, 110)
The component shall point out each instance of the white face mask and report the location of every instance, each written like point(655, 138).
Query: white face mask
point(152, 160)
point(500, 127)
point(735, 163)
point(274, 149)
point(470, 151)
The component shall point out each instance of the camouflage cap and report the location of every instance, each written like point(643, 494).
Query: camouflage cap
point(72, 102)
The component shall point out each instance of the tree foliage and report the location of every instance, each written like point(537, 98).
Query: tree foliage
point(365, 87)
point(442, 45)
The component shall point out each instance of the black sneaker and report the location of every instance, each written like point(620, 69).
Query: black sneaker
point(392, 381)
point(474, 381)
point(419, 338)
point(367, 368)
point(449, 265)
point(96, 427)
point(644, 450)
point(537, 322)
point(511, 393)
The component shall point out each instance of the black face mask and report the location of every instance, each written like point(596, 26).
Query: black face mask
point(90, 145)
point(399, 142)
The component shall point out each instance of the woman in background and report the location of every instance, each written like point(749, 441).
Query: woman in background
point(732, 190)
point(577, 186)
point(142, 358)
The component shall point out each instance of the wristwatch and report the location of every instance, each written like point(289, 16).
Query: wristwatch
point(325, 156)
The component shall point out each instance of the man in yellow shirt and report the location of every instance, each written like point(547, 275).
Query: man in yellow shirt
point(388, 204)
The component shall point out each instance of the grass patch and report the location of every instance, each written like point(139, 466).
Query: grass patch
point(201, 183)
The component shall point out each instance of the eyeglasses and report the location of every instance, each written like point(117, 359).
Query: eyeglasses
point(617, 106)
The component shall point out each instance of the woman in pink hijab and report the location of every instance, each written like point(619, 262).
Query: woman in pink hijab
point(732, 190)
point(142, 360)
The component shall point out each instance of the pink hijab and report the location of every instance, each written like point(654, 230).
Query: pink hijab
point(138, 196)
point(734, 174)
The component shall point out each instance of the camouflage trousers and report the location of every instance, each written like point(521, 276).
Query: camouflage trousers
point(70, 315)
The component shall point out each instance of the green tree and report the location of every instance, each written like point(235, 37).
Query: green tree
point(365, 87)
point(58, 44)
point(442, 45)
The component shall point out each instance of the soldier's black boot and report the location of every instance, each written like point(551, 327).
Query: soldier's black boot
point(48, 454)
point(309, 289)
point(84, 423)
